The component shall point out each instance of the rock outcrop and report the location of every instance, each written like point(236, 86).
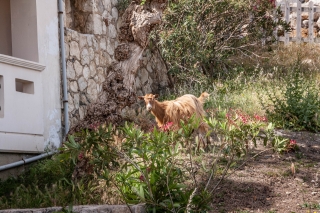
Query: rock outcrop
point(108, 58)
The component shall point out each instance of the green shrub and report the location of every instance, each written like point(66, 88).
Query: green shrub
point(152, 172)
point(92, 151)
point(71, 177)
point(40, 186)
point(236, 129)
point(199, 38)
point(295, 105)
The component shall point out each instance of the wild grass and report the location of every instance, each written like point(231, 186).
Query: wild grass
point(246, 84)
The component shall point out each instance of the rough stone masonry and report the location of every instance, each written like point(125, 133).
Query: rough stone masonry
point(94, 45)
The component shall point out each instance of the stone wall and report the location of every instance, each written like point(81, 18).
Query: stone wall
point(84, 209)
point(87, 61)
point(91, 38)
point(305, 20)
point(152, 75)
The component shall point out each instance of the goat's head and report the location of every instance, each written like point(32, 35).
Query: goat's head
point(149, 99)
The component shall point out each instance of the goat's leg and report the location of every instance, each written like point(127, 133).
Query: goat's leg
point(203, 141)
point(199, 140)
point(198, 145)
point(204, 137)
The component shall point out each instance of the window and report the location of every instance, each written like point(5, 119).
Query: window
point(18, 32)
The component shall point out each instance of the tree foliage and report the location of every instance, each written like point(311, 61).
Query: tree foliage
point(199, 36)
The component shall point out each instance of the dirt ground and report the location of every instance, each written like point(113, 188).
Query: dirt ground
point(267, 184)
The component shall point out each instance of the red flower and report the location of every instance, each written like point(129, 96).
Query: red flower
point(94, 126)
point(166, 127)
point(292, 145)
point(260, 118)
point(141, 177)
point(244, 119)
point(293, 142)
point(80, 156)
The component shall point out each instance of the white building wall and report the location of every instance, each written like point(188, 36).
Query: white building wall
point(21, 123)
point(49, 55)
point(30, 119)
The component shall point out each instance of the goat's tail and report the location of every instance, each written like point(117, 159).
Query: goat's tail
point(202, 98)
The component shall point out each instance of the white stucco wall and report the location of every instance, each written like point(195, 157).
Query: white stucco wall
point(30, 123)
point(49, 55)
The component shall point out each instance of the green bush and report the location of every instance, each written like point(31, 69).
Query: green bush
point(295, 105)
point(153, 174)
point(72, 176)
point(236, 129)
point(199, 38)
point(93, 151)
point(41, 185)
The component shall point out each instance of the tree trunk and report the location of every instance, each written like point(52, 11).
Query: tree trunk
point(119, 88)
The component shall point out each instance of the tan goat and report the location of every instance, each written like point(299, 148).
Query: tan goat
point(181, 108)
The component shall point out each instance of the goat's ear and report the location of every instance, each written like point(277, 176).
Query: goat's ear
point(141, 97)
point(156, 96)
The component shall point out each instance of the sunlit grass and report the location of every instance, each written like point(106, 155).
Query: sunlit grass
point(247, 83)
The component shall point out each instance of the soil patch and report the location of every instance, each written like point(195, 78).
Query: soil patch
point(267, 183)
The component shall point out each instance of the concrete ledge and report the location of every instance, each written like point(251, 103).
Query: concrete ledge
point(84, 209)
point(21, 63)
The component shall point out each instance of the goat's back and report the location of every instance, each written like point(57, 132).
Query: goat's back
point(183, 108)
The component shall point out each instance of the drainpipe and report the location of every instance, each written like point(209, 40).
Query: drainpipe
point(25, 161)
point(64, 69)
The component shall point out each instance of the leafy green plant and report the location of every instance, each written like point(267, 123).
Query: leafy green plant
point(311, 205)
point(143, 2)
point(122, 5)
point(62, 193)
point(151, 173)
point(236, 129)
point(39, 186)
point(295, 105)
point(92, 150)
point(74, 176)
